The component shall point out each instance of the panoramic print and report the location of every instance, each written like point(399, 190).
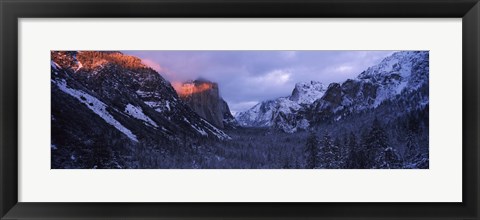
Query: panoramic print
point(239, 109)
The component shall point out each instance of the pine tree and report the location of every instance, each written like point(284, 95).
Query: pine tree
point(376, 143)
point(311, 152)
point(296, 164)
point(329, 153)
point(412, 157)
point(377, 137)
point(362, 155)
point(411, 148)
point(342, 151)
point(337, 152)
point(286, 163)
point(357, 158)
point(389, 159)
point(352, 155)
point(379, 153)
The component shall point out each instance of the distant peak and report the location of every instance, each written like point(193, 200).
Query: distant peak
point(191, 87)
point(308, 84)
point(397, 63)
point(307, 92)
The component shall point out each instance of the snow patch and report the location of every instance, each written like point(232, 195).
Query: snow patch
point(137, 113)
point(199, 130)
point(217, 132)
point(158, 106)
point(55, 66)
point(97, 106)
point(338, 118)
point(167, 105)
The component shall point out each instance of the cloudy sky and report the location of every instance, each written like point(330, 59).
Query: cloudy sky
point(248, 77)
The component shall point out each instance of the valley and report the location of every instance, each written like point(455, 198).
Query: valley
point(111, 111)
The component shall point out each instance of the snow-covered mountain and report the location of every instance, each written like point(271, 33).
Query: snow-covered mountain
point(401, 73)
point(127, 87)
point(401, 77)
point(307, 92)
point(99, 97)
point(282, 112)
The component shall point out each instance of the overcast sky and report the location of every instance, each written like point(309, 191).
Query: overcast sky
point(248, 77)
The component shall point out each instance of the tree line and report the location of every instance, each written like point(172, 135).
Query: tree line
point(372, 150)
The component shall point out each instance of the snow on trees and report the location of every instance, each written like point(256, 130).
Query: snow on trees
point(329, 153)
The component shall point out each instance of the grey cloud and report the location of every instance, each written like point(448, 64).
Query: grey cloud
point(247, 77)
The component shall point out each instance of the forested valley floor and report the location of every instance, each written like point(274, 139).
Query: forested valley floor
point(262, 148)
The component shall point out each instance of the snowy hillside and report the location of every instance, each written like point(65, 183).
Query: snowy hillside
point(100, 97)
point(401, 71)
point(405, 72)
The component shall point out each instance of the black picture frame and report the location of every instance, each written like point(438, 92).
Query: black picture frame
point(12, 10)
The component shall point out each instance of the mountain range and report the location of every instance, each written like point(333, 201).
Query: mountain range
point(312, 103)
point(111, 110)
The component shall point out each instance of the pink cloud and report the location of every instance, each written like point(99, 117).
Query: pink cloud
point(152, 64)
point(169, 75)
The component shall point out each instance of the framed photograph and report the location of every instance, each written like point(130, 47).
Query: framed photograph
point(239, 109)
